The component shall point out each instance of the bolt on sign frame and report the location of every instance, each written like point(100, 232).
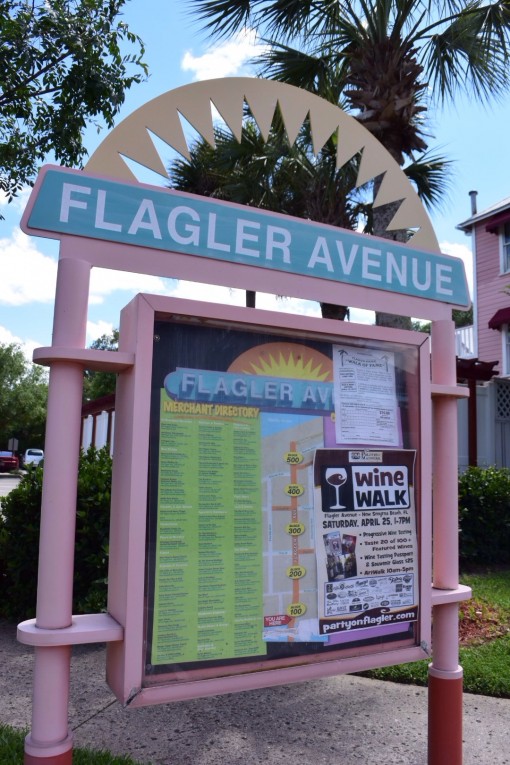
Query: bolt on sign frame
point(283, 444)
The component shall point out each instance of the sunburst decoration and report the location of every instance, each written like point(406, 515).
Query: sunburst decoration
point(289, 360)
point(162, 117)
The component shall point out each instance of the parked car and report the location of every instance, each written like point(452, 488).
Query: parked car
point(8, 462)
point(33, 457)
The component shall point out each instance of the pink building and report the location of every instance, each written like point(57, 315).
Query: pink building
point(490, 231)
point(490, 419)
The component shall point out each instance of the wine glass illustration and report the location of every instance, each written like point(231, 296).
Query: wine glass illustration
point(336, 477)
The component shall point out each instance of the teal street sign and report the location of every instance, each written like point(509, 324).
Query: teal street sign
point(76, 204)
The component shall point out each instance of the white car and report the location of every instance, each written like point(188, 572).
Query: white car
point(33, 457)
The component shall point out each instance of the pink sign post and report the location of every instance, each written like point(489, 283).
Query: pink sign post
point(445, 674)
point(197, 381)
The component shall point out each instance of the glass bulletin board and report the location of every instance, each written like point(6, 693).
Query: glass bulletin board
point(283, 509)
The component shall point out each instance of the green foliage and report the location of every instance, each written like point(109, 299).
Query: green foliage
point(19, 538)
point(98, 384)
point(273, 175)
point(23, 397)
point(484, 516)
point(463, 318)
point(62, 66)
point(413, 673)
point(420, 326)
point(92, 530)
point(460, 318)
point(486, 670)
point(19, 545)
point(12, 747)
point(432, 177)
point(486, 664)
point(451, 47)
point(491, 587)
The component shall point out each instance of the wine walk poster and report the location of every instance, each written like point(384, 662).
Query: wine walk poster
point(239, 557)
point(367, 564)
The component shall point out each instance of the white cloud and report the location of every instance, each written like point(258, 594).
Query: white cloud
point(463, 252)
point(27, 275)
point(96, 329)
point(104, 281)
point(264, 301)
point(210, 293)
point(6, 336)
point(293, 306)
point(27, 346)
point(226, 59)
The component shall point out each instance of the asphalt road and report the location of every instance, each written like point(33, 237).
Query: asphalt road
point(7, 483)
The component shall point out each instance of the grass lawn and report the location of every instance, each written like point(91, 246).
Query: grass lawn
point(12, 744)
point(485, 652)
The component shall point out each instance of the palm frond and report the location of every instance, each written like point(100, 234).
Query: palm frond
point(290, 19)
point(471, 52)
point(432, 176)
point(273, 175)
point(287, 19)
point(224, 17)
point(319, 71)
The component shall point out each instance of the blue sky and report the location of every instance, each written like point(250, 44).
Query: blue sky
point(177, 53)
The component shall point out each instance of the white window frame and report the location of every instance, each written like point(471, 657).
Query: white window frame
point(505, 350)
point(504, 239)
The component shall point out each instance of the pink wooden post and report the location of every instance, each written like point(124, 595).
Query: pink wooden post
point(445, 674)
point(49, 741)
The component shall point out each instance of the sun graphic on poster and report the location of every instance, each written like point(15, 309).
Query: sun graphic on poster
point(290, 360)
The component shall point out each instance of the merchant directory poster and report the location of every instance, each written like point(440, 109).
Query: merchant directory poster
point(282, 510)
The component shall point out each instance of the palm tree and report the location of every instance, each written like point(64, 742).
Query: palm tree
point(383, 59)
point(275, 176)
point(386, 54)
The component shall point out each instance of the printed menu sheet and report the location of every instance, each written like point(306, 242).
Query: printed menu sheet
point(365, 396)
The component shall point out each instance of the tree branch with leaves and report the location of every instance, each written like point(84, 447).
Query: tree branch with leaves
point(64, 64)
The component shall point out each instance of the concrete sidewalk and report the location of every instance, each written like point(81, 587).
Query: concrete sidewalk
point(338, 720)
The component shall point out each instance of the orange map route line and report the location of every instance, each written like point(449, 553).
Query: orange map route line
point(293, 508)
point(295, 541)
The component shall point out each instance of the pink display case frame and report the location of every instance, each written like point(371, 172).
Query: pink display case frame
point(125, 663)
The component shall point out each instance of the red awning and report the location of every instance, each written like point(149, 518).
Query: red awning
point(500, 317)
point(473, 370)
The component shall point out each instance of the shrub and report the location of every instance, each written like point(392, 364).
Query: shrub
point(19, 539)
point(484, 516)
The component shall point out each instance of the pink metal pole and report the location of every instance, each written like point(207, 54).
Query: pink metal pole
point(49, 741)
point(445, 674)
